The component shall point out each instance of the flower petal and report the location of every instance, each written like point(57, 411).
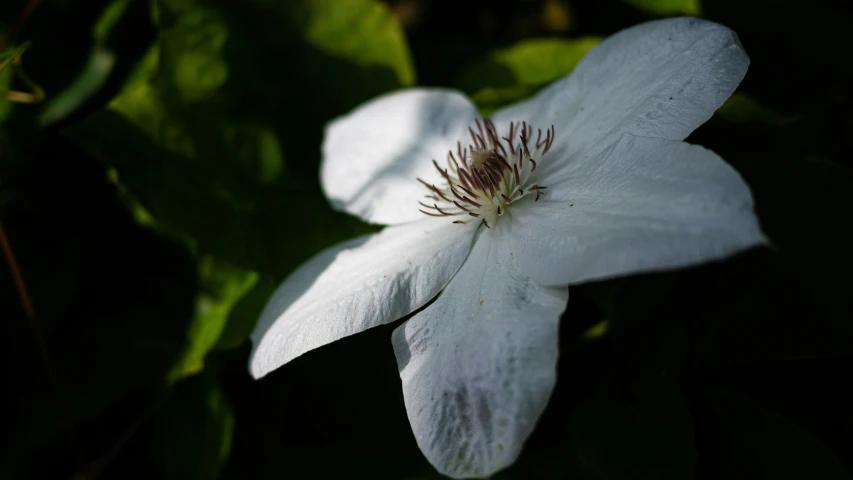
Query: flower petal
point(357, 285)
point(646, 204)
point(479, 364)
point(657, 79)
point(372, 156)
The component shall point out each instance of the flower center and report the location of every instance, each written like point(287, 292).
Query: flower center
point(484, 178)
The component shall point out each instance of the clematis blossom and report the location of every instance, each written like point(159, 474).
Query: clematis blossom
point(493, 218)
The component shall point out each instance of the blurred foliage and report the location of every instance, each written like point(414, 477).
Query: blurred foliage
point(96, 70)
point(168, 182)
point(669, 7)
point(10, 64)
point(514, 73)
point(741, 108)
point(193, 430)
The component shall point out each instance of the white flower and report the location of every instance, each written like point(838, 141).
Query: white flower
point(624, 195)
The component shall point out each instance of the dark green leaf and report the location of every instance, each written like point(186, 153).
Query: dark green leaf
point(222, 286)
point(668, 7)
point(513, 73)
point(741, 108)
point(746, 441)
point(193, 431)
point(624, 432)
point(179, 144)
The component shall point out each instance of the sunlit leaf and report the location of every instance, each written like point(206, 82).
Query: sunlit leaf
point(513, 73)
point(180, 146)
point(222, 286)
point(244, 315)
point(361, 31)
point(668, 7)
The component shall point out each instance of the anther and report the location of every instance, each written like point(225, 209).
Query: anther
point(472, 202)
point(431, 214)
point(469, 192)
point(538, 190)
point(549, 140)
point(492, 171)
point(460, 206)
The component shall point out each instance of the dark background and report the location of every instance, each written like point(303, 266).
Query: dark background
point(167, 181)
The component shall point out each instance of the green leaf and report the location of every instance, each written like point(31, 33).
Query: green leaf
point(642, 322)
point(741, 108)
point(90, 80)
point(634, 432)
point(113, 298)
point(95, 72)
point(361, 31)
point(5, 84)
point(245, 314)
point(803, 275)
point(203, 164)
point(513, 73)
point(747, 441)
point(193, 431)
point(669, 7)
point(12, 55)
point(222, 286)
point(192, 168)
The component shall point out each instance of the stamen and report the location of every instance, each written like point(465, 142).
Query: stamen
point(460, 206)
point(472, 202)
point(474, 137)
point(549, 141)
point(431, 214)
point(492, 171)
point(538, 190)
point(467, 191)
point(443, 212)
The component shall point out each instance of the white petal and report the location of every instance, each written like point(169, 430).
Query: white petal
point(657, 79)
point(645, 204)
point(479, 364)
point(372, 156)
point(357, 285)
